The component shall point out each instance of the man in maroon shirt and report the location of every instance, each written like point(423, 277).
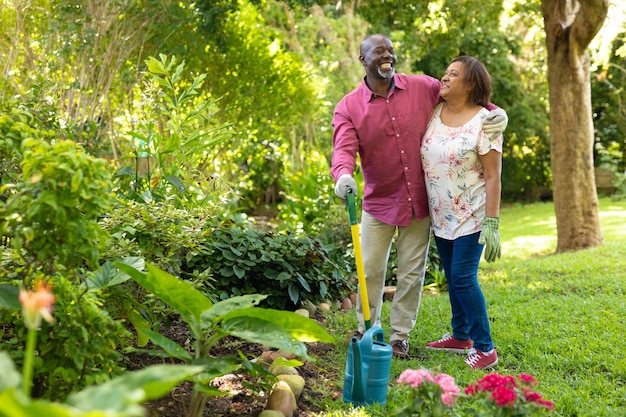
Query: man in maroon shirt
point(383, 121)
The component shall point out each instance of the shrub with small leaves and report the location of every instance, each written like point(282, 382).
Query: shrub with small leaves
point(289, 268)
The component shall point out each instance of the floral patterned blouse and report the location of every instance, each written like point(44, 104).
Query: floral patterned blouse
point(454, 175)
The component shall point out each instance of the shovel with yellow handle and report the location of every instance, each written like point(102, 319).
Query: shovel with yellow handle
point(356, 242)
point(369, 359)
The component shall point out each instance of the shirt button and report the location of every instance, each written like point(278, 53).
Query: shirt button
point(401, 151)
point(410, 199)
point(406, 168)
point(408, 183)
point(393, 118)
point(397, 135)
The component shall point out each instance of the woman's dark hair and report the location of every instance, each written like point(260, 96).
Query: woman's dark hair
point(477, 76)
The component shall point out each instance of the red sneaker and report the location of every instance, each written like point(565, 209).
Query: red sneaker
point(451, 344)
point(481, 360)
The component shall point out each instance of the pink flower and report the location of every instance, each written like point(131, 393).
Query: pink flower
point(447, 384)
point(37, 305)
point(448, 399)
point(428, 389)
point(415, 378)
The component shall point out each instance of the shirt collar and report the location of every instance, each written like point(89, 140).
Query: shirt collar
point(369, 94)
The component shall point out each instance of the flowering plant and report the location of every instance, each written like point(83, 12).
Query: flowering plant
point(35, 306)
point(433, 395)
point(508, 396)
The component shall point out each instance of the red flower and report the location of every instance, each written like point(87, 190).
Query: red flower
point(509, 394)
point(531, 395)
point(528, 379)
point(472, 390)
point(548, 404)
point(492, 381)
point(504, 396)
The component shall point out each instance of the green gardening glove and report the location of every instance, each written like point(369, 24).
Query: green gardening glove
point(490, 237)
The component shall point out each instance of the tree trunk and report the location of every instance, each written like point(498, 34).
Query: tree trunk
point(570, 26)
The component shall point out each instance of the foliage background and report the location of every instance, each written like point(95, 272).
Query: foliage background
point(170, 130)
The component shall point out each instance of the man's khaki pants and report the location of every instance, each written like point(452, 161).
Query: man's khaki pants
point(412, 247)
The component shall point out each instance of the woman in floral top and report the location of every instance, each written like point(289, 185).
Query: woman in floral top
point(462, 166)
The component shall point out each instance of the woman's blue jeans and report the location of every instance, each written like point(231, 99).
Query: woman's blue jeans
point(460, 259)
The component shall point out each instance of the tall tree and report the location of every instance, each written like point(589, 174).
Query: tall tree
point(570, 26)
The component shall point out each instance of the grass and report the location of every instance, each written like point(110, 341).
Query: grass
point(561, 318)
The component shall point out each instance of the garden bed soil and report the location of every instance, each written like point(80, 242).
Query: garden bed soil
point(239, 399)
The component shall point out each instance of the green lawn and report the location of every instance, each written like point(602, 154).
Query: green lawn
point(560, 318)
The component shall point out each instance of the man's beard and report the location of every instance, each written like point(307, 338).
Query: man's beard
point(386, 75)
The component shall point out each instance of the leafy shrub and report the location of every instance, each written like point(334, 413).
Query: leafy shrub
point(82, 349)
point(13, 130)
point(289, 268)
point(225, 256)
point(176, 128)
point(165, 236)
point(51, 213)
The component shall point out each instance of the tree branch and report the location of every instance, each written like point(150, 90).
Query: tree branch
point(588, 21)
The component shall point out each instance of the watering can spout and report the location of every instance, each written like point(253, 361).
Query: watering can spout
point(360, 373)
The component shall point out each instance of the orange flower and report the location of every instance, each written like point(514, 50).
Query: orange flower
point(37, 304)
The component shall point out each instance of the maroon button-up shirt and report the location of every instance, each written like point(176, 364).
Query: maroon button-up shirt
point(386, 132)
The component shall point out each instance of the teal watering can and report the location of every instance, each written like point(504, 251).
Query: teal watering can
point(367, 369)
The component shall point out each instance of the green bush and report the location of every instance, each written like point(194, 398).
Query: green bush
point(50, 215)
point(289, 268)
point(163, 235)
point(226, 256)
point(81, 349)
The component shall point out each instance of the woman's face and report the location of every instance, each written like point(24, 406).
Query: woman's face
point(453, 82)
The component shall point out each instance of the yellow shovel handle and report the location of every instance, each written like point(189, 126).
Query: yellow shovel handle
point(365, 303)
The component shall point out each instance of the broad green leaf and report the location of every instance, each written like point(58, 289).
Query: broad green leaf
point(77, 179)
point(258, 330)
point(9, 296)
point(11, 378)
point(108, 275)
point(133, 388)
point(209, 390)
point(239, 271)
point(172, 348)
point(294, 293)
point(176, 182)
point(179, 294)
point(283, 276)
point(304, 329)
point(222, 308)
point(141, 325)
point(14, 404)
point(155, 66)
point(303, 282)
point(228, 254)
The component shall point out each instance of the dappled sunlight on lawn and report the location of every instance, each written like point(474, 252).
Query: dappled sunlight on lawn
point(528, 246)
point(529, 231)
point(613, 223)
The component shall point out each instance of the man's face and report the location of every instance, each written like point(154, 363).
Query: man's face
point(378, 58)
